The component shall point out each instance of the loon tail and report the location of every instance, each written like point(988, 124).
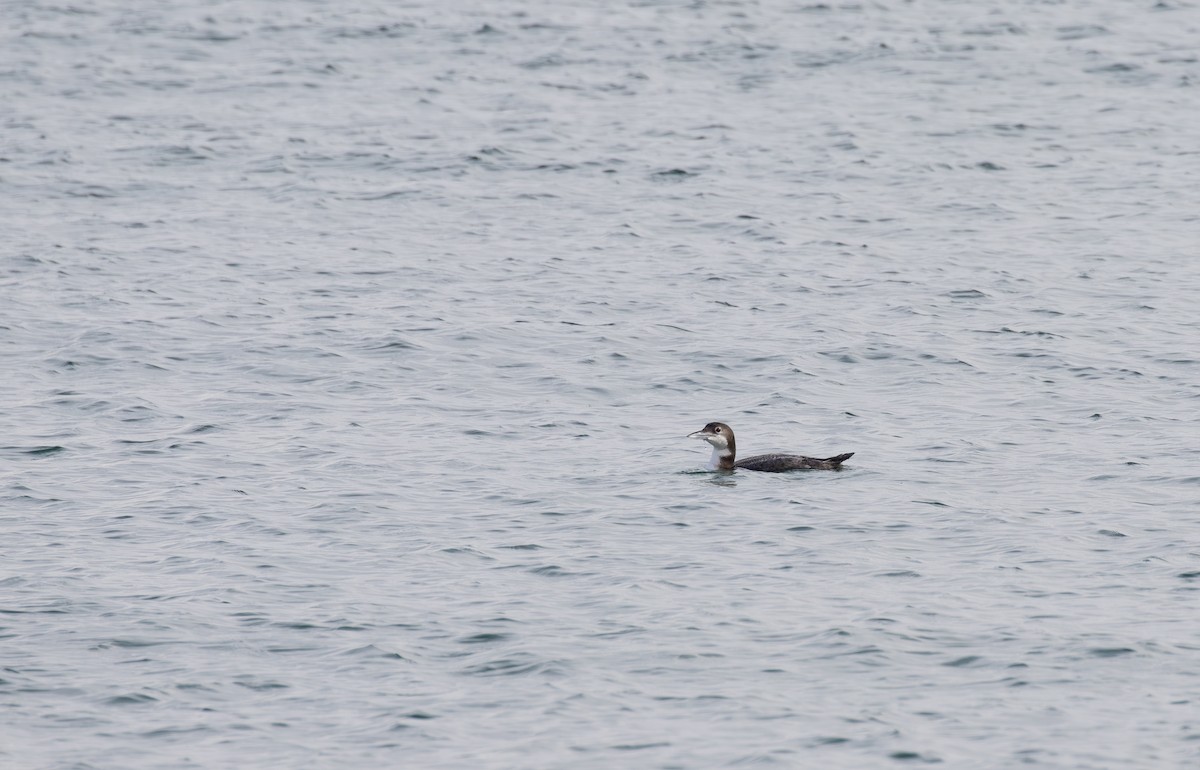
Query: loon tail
point(839, 459)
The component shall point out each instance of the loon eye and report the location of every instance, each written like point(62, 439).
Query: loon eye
point(716, 430)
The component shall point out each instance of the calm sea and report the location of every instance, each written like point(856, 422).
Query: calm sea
point(347, 352)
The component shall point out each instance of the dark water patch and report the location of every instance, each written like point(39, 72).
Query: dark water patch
point(1110, 652)
point(1116, 67)
point(829, 740)
point(75, 362)
point(552, 570)
point(173, 732)
point(995, 28)
point(840, 356)
point(298, 625)
point(914, 756)
point(1081, 31)
point(673, 175)
point(467, 551)
point(511, 666)
point(383, 195)
point(966, 661)
point(136, 643)
point(92, 191)
point(370, 650)
point(43, 611)
point(290, 649)
point(37, 451)
point(395, 29)
point(1022, 332)
point(484, 638)
point(640, 746)
point(133, 699)
point(258, 685)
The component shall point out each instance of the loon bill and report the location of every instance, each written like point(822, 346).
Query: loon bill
point(720, 436)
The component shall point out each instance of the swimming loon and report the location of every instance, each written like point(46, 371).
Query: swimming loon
point(720, 436)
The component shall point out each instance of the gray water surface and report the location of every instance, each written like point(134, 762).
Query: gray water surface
point(347, 351)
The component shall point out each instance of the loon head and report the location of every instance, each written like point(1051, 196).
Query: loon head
point(720, 436)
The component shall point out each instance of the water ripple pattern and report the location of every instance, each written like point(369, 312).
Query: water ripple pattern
point(347, 351)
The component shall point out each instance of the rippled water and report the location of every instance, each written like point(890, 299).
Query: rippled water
point(348, 350)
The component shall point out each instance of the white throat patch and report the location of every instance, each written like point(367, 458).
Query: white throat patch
point(714, 462)
point(718, 441)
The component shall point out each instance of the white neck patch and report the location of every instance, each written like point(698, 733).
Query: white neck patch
point(714, 462)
